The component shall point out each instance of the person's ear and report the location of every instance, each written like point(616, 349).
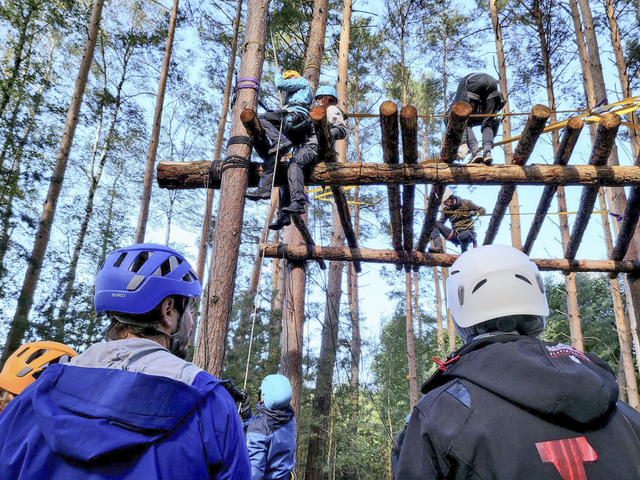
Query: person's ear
point(168, 305)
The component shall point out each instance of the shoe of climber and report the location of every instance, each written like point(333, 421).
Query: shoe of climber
point(281, 222)
point(258, 194)
point(477, 158)
point(487, 158)
point(436, 245)
point(295, 207)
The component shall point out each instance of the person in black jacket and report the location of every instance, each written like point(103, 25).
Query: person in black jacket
point(509, 406)
point(480, 90)
point(396, 446)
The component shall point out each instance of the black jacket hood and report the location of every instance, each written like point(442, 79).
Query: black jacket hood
point(276, 418)
point(552, 380)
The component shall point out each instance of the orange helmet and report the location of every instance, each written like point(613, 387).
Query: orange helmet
point(29, 360)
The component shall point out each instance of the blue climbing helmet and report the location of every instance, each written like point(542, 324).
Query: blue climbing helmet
point(136, 279)
point(324, 90)
point(276, 392)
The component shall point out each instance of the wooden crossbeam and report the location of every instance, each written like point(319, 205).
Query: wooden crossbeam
point(409, 129)
point(605, 139)
point(190, 175)
point(326, 151)
point(530, 134)
point(300, 224)
point(458, 118)
point(390, 133)
point(565, 149)
point(627, 224)
point(301, 253)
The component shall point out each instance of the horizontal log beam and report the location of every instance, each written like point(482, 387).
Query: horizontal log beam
point(301, 253)
point(530, 134)
point(605, 139)
point(190, 175)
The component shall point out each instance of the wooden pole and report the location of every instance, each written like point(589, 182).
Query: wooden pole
point(530, 134)
point(409, 129)
point(565, 149)
point(458, 118)
point(605, 139)
point(20, 321)
point(390, 134)
point(301, 253)
point(627, 224)
point(214, 325)
point(155, 133)
point(326, 150)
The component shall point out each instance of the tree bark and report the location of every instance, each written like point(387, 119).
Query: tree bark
point(214, 325)
point(409, 129)
point(145, 199)
point(390, 135)
point(206, 218)
point(439, 330)
point(20, 321)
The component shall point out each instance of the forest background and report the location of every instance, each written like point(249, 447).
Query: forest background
point(412, 52)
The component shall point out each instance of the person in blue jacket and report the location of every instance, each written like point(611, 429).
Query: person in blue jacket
point(284, 128)
point(271, 433)
point(132, 407)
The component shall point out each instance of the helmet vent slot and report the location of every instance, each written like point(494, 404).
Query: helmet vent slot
point(22, 352)
point(120, 259)
point(455, 271)
point(523, 278)
point(189, 277)
point(34, 355)
point(140, 260)
point(478, 285)
point(540, 284)
point(461, 295)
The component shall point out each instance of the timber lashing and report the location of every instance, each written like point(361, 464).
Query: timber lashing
point(393, 174)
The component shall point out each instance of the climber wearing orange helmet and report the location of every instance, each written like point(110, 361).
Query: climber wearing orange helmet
point(26, 364)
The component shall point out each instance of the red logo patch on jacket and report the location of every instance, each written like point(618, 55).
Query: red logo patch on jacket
point(568, 456)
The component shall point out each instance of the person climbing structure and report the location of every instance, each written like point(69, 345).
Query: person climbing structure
point(293, 122)
point(461, 213)
point(292, 197)
point(508, 406)
point(271, 433)
point(480, 90)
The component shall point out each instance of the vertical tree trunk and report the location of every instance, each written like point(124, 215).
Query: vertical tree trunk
point(145, 199)
point(416, 298)
point(451, 329)
point(326, 360)
point(167, 230)
point(411, 349)
point(573, 308)
point(293, 314)
point(214, 325)
point(20, 321)
point(514, 208)
point(206, 221)
point(275, 318)
point(439, 330)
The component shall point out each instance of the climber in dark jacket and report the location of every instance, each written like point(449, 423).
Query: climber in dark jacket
point(396, 446)
point(461, 213)
point(271, 433)
point(481, 92)
point(509, 406)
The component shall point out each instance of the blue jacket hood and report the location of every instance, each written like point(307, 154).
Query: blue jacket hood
point(113, 410)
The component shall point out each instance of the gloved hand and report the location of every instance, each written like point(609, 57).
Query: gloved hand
point(473, 213)
point(245, 407)
point(235, 393)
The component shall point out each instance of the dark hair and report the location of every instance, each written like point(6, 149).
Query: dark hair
point(119, 329)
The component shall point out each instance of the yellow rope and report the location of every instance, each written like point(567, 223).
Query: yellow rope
point(312, 65)
point(248, 42)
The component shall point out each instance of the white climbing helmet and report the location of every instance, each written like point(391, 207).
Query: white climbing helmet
point(494, 281)
point(447, 194)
